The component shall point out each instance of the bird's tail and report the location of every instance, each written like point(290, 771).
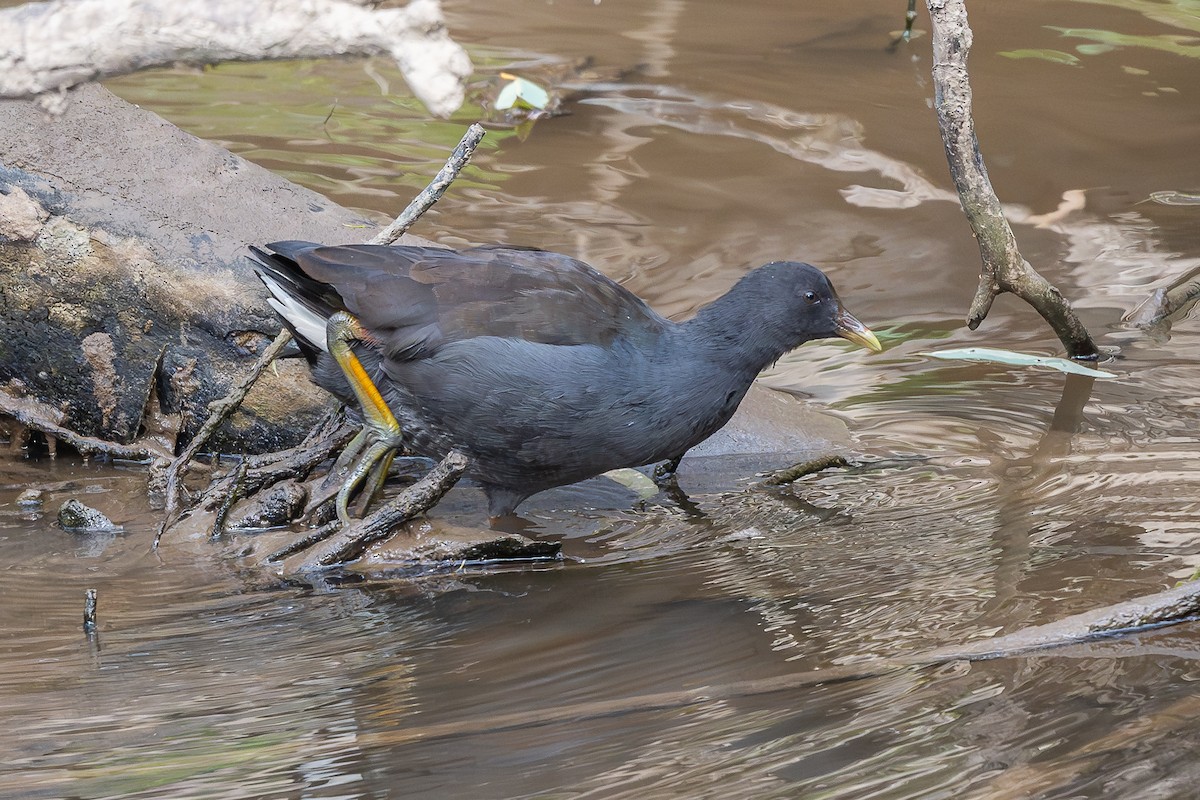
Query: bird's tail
point(303, 304)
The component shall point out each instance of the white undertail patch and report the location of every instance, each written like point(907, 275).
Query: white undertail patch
point(309, 325)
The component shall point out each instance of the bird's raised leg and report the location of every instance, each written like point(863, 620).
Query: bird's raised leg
point(380, 435)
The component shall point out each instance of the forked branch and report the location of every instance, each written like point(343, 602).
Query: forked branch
point(1004, 268)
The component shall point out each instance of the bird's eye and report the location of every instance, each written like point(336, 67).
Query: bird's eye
point(811, 298)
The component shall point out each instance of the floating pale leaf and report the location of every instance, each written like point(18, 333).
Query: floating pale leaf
point(1179, 45)
point(635, 481)
point(523, 93)
point(1057, 56)
point(1018, 360)
point(1176, 198)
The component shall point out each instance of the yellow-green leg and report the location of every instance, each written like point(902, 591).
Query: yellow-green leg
point(381, 432)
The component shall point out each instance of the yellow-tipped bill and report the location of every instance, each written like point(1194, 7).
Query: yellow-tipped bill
point(848, 327)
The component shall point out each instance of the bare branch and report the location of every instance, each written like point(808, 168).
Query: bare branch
point(40, 417)
point(1004, 268)
point(436, 188)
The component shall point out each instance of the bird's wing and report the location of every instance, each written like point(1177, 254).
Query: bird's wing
point(412, 299)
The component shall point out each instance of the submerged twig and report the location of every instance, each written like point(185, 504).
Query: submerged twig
point(1004, 268)
point(436, 188)
point(1172, 606)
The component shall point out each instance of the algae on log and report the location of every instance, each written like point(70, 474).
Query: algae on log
point(123, 269)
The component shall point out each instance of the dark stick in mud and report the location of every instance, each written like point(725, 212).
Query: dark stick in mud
point(89, 611)
point(235, 491)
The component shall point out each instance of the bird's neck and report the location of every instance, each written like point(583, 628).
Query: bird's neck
point(731, 333)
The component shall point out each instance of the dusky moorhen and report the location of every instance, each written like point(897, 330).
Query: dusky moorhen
point(540, 369)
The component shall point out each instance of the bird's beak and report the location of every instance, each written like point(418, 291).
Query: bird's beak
point(848, 327)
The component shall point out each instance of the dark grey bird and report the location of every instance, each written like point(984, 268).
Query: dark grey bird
point(537, 367)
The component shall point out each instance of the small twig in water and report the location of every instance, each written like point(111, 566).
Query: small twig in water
point(905, 36)
point(350, 542)
point(89, 611)
point(798, 471)
point(436, 188)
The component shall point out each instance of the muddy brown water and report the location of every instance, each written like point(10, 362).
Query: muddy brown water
point(708, 138)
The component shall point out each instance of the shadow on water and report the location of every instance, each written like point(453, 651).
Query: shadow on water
point(981, 499)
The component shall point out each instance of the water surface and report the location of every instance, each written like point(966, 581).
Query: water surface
point(705, 138)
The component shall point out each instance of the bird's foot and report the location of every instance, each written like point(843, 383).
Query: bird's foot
point(665, 475)
point(378, 451)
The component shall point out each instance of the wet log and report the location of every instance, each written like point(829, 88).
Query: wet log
point(123, 276)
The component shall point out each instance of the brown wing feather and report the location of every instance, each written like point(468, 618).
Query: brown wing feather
point(413, 298)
